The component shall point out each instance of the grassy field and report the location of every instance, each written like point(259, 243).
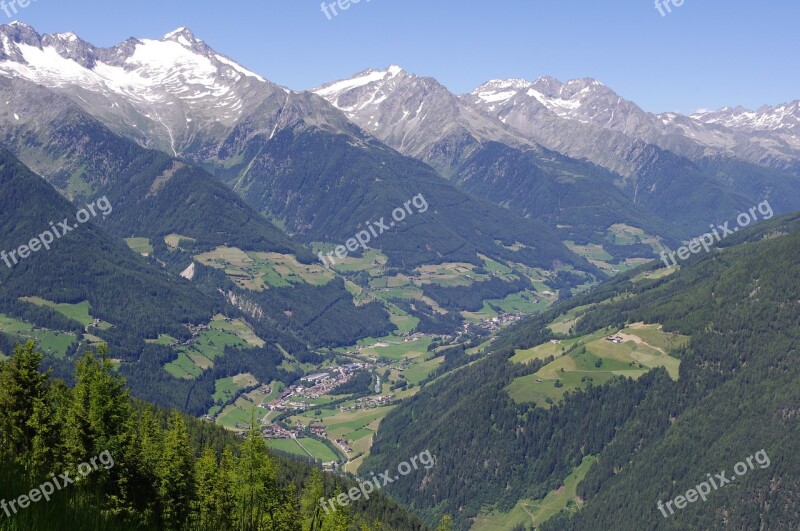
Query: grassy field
point(403, 320)
point(655, 275)
point(447, 275)
point(241, 412)
point(563, 323)
point(183, 367)
point(238, 328)
point(346, 423)
point(226, 388)
point(288, 446)
point(541, 352)
point(246, 406)
point(77, 312)
point(356, 427)
point(590, 251)
point(622, 234)
point(521, 302)
point(524, 302)
point(536, 512)
point(420, 370)
point(304, 447)
point(163, 339)
point(595, 361)
point(174, 240)
point(260, 271)
point(373, 261)
point(54, 343)
point(140, 245)
point(202, 351)
point(397, 349)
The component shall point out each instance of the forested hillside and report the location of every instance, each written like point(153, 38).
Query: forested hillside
point(580, 198)
point(656, 437)
point(157, 197)
point(101, 270)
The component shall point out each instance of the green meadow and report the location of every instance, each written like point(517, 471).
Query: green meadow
point(53, 343)
point(140, 245)
point(594, 361)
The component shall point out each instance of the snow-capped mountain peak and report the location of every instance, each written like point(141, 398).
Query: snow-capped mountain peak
point(765, 118)
point(182, 35)
point(367, 78)
point(564, 99)
point(169, 86)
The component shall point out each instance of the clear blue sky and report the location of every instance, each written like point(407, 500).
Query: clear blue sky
point(705, 54)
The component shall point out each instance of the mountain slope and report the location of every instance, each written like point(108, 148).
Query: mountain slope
point(100, 269)
point(415, 115)
point(270, 149)
point(734, 394)
point(552, 114)
point(421, 118)
point(547, 122)
point(156, 196)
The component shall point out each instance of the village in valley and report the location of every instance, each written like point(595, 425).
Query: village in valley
point(309, 419)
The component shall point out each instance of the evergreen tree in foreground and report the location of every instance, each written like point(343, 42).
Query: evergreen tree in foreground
point(156, 478)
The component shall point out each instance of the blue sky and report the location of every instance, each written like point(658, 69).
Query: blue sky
point(705, 54)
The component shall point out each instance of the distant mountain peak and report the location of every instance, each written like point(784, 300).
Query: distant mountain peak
point(182, 35)
point(364, 78)
point(783, 117)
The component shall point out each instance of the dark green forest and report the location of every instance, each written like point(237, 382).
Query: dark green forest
point(738, 393)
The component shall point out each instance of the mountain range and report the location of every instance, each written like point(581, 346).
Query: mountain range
point(546, 203)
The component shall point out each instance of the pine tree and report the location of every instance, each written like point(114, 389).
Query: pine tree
point(287, 515)
point(98, 419)
point(337, 520)
point(175, 474)
point(256, 478)
point(48, 419)
point(446, 523)
point(140, 482)
point(224, 496)
point(205, 476)
point(313, 495)
point(23, 396)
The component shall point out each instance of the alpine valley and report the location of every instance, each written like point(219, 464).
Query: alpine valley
point(518, 322)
